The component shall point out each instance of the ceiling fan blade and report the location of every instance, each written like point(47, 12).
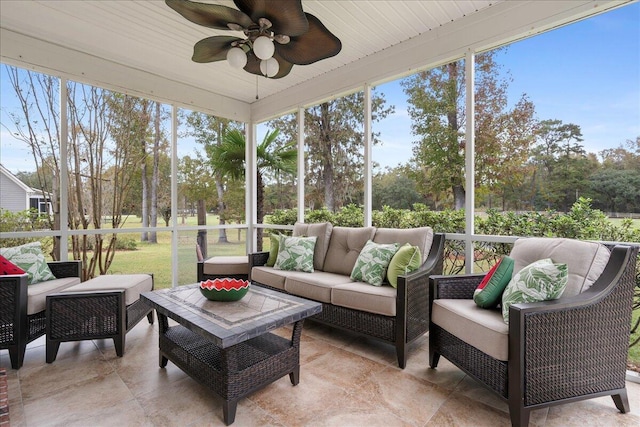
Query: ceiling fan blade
point(286, 16)
point(253, 65)
point(316, 44)
point(212, 49)
point(210, 15)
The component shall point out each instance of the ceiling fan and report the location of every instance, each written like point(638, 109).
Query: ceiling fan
point(279, 35)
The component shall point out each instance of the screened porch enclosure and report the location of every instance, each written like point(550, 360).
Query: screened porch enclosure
point(123, 55)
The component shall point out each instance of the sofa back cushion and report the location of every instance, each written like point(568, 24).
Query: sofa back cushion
point(322, 231)
point(344, 247)
point(422, 237)
point(585, 260)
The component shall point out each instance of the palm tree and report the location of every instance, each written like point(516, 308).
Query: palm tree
point(228, 159)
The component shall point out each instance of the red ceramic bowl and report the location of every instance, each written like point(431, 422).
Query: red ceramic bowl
point(224, 289)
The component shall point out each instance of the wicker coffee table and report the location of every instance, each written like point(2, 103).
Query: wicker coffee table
point(226, 346)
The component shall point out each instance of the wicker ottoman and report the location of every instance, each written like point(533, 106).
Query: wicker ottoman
point(104, 307)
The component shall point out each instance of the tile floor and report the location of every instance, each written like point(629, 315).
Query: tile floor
point(345, 380)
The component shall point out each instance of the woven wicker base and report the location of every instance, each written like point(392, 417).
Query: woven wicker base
point(234, 372)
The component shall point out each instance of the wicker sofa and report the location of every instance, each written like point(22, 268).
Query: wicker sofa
point(395, 315)
point(22, 308)
point(550, 352)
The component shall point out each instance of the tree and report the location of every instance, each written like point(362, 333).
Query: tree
point(209, 131)
point(395, 189)
point(228, 159)
point(437, 108)
point(562, 164)
point(101, 159)
point(37, 124)
point(334, 146)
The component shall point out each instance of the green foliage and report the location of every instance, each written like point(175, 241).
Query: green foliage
point(350, 216)
point(126, 244)
point(388, 217)
point(446, 221)
point(282, 217)
point(27, 220)
point(320, 215)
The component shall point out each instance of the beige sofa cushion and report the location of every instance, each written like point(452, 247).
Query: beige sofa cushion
point(220, 265)
point(133, 285)
point(422, 237)
point(37, 293)
point(364, 297)
point(323, 232)
point(344, 247)
point(482, 328)
point(269, 276)
point(316, 286)
point(585, 260)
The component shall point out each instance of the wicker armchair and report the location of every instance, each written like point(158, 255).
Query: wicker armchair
point(559, 351)
point(21, 322)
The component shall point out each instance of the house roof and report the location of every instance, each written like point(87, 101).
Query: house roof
point(144, 48)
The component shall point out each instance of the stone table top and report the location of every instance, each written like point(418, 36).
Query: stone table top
point(230, 323)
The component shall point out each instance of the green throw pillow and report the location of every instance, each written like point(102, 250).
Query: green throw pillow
point(273, 249)
point(539, 281)
point(30, 258)
point(407, 259)
point(295, 253)
point(489, 291)
point(371, 265)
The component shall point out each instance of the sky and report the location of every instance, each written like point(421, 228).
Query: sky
point(586, 73)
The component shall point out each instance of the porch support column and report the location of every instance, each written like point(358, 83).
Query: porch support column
point(63, 204)
point(469, 64)
point(251, 185)
point(174, 196)
point(301, 164)
point(367, 155)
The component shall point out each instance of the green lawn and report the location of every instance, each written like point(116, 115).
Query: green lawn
point(156, 258)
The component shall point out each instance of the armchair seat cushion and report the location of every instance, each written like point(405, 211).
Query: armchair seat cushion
point(37, 293)
point(483, 329)
point(221, 265)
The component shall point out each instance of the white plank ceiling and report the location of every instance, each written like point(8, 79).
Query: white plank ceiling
point(144, 47)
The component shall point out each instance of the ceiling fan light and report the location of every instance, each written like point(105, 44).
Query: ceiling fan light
point(269, 67)
point(263, 47)
point(236, 57)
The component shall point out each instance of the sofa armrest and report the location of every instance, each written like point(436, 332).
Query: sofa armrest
point(552, 334)
point(62, 269)
point(412, 300)
point(460, 286)
point(257, 259)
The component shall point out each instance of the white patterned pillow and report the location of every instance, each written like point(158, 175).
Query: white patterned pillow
point(542, 280)
point(371, 265)
point(30, 258)
point(295, 253)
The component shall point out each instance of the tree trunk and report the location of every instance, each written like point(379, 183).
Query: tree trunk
point(327, 158)
point(201, 240)
point(222, 233)
point(259, 208)
point(153, 238)
point(458, 196)
point(145, 204)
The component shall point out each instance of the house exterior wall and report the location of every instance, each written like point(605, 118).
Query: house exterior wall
point(12, 197)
